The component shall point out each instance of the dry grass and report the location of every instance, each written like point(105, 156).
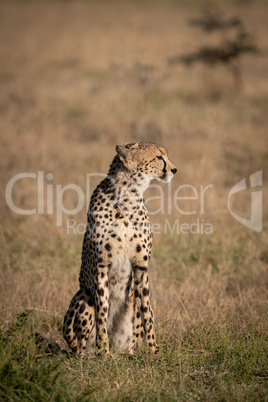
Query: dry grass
point(76, 79)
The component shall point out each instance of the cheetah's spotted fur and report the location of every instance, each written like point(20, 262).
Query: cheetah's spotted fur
point(112, 308)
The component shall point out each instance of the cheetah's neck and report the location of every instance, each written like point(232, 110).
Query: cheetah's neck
point(129, 181)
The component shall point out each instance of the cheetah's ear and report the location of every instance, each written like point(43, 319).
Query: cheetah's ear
point(121, 150)
point(125, 156)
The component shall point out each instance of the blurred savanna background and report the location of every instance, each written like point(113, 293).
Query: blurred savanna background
point(77, 78)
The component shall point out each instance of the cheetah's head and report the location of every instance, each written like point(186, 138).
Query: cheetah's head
point(147, 159)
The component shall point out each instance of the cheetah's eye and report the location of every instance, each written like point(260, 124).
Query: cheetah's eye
point(160, 157)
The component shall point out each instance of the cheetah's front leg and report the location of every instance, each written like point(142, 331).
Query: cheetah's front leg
point(144, 318)
point(147, 313)
point(102, 306)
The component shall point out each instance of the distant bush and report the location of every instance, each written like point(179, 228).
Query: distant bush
point(233, 42)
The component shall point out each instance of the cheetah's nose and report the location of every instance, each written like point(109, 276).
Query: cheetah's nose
point(174, 170)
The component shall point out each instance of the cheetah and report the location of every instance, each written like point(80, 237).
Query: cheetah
point(112, 309)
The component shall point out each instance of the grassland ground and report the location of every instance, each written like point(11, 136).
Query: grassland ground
point(76, 79)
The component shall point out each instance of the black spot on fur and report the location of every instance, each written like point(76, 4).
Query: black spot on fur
point(137, 294)
point(145, 292)
point(82, 308)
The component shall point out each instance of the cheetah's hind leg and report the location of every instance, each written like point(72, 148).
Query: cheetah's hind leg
point(79, 329)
